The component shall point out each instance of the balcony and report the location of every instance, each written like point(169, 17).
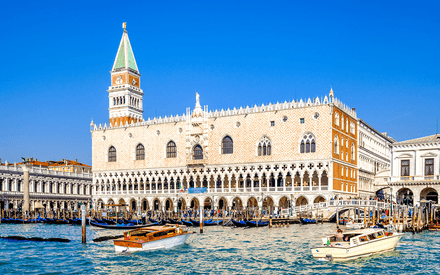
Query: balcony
point(196, 162)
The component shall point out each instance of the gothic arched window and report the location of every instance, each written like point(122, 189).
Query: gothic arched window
point(112, 154)
point(198, 152)
point(264, 147)
point(171, 150)
point(336, 145)
point(227, 145)
point(308, 144)
point(337, 119)
point(140, 152)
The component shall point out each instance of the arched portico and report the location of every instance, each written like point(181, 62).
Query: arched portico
point(284, 203)
point(194, 204)
point(405, 196)
point(319, 199)
point(301, 201)
point(237, 204)
point(222, 203)
point(252, 202)
point(169, 205)
point(429, 194)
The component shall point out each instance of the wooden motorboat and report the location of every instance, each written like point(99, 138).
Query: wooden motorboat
point(152, 237)
point(434, 227)
point(356, 244)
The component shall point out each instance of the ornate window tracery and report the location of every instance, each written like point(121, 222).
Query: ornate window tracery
point(264, 147)
point(308, 144)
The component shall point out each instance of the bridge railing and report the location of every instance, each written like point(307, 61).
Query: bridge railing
point(346, 203)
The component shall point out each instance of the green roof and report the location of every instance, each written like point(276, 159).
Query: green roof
point(125, 57)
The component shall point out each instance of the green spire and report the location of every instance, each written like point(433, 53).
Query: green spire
point(125, 57)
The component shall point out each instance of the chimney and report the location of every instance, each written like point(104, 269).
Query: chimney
point(353, 109)
point(76, 160)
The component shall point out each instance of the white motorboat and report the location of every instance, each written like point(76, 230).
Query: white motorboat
point(152, 237)
point(356, 244)
point(355, 224)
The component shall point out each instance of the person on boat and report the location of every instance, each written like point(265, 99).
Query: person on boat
point(339, 236)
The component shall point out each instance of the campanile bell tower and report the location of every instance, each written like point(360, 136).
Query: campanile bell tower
point(125, 94)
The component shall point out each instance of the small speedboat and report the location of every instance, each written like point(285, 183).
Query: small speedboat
point(152, 237)
point(355, 224)
point(356, 244)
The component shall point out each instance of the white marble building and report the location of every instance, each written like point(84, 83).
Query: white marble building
point(48, 189)
point(415, 170)
point(374, 159)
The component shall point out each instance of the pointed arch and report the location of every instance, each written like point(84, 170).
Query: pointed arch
point(140, 152)
point(197, 152)
point(336, 144)
point(171, 149)
point(308, 143)
point(264, 146)
point(227, 145)
point(112, 154)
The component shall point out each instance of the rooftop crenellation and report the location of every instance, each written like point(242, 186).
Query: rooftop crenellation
point(294, 104)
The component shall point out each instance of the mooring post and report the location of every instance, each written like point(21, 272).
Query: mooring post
point(374, 216)
point(337, 218)
point(201, 219)
point(365, 217)
point(83, 223)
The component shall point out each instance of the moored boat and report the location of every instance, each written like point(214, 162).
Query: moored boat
point(150, 238)
point(434, 227)
point(355, 224)
point(356, 244)
point(256, 223)
point(238, 223)
point(306, 221)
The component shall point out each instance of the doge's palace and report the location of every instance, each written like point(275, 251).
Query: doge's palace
point(267, 156)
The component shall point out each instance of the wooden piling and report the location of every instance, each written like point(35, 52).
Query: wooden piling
point(83, 223)
point(365, 217)
point(374, 217)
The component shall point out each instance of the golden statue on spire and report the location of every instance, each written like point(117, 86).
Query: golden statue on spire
point(124, 26)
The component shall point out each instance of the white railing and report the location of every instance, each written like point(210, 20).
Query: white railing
point(44, 171)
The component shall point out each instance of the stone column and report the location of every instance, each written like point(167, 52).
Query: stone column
point(284, 183)
point(26, 168)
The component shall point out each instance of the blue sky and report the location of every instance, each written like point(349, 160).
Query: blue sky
point(381, 57)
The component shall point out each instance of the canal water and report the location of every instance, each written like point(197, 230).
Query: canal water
point(220, 250)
